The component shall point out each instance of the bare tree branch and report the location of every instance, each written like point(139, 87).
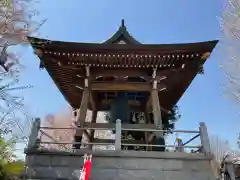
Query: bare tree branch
point(230, 24)
point(15, 24)
point(222, 153)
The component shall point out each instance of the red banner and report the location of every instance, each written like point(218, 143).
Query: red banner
point(86, 168)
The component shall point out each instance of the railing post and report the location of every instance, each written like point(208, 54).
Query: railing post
point(231, 170)
point(118, 135)
point(204, 138)
point(34, 133)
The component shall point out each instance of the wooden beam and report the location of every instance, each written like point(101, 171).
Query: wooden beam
point(158, 78)
point(111, 126)
point(123, 86)
point(106, 107)
point(118, 72)
point(124, 76)
point(130, 102)
point(112, 141)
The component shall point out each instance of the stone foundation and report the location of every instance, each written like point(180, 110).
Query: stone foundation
point(122, 165)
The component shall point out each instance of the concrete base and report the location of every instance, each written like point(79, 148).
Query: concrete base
point(121, 165)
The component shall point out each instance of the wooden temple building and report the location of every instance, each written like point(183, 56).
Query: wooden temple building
point(122, 75)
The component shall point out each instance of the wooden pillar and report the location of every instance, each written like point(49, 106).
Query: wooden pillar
point(204, 138)
point(92, 131)
point(231, 170)
point(81, 116)
point(118, 135)
point(82, 112)
point(34, 134)
point(146, 134)
point(156, 106)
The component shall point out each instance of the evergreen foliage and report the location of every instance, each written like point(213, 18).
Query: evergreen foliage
point(10, 168)
point(171, 118)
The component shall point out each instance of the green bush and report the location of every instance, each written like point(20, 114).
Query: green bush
point(9, 168)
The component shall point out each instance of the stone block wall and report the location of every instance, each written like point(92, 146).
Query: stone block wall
point(124, 165)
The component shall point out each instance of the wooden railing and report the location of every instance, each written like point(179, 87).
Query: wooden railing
point(34, 140)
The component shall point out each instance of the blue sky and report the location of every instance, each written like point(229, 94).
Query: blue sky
point(152, 21)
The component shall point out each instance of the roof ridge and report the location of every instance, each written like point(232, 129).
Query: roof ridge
point(122, 34)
